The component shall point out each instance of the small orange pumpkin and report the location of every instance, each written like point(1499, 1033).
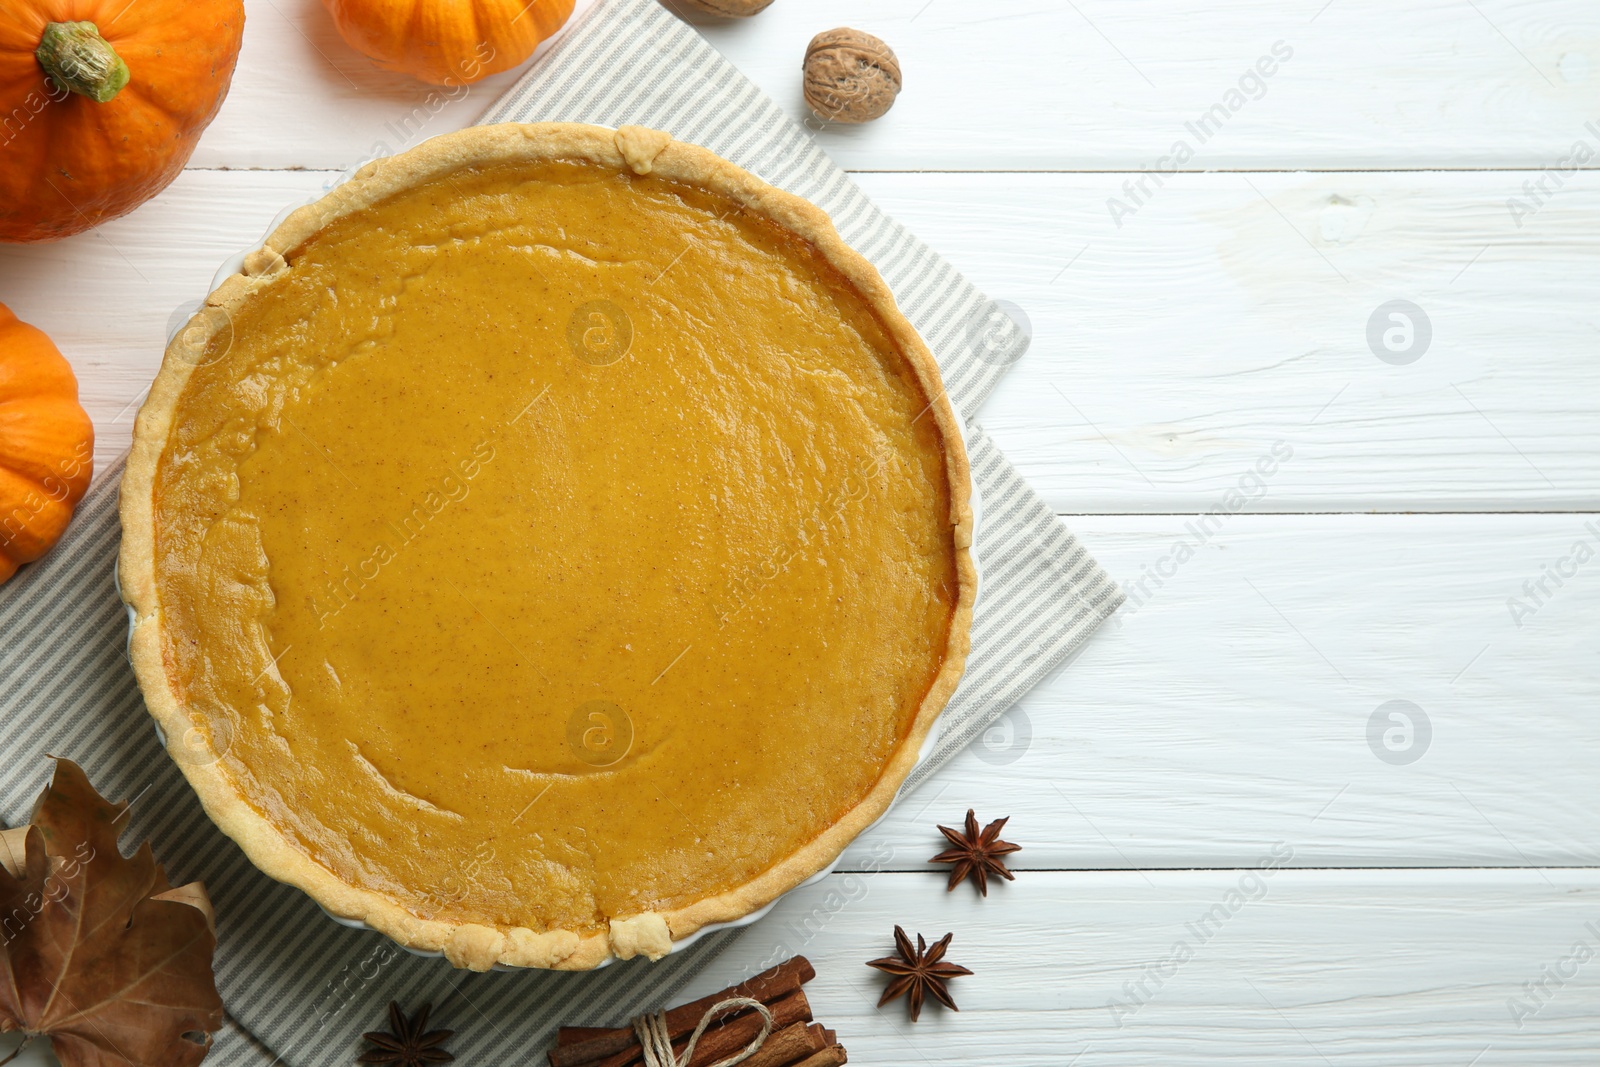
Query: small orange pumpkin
point(46, 444)
point(448, 42)
point(102, 103)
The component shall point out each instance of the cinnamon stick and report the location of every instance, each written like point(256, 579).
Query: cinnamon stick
point(577, 1046)
point(571, 1035)
point(783, 1047)
point(724, 1039)
point(832, 1056)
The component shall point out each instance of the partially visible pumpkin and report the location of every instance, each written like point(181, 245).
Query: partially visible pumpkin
point(102, 103)
point(46, 444)
point(448, 42)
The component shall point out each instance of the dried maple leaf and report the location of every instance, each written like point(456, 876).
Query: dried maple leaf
point(100, 953)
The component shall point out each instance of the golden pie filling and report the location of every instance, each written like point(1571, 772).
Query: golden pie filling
point(547, 544)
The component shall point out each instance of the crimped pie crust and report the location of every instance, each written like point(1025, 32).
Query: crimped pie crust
point(469, 945)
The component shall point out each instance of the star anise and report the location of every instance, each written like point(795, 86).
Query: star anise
point(919, 971)
point(409, 1042)
point(977, 854)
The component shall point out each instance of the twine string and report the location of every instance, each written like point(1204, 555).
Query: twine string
point(656, 1039)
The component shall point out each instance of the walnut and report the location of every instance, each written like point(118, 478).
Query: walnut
point(850, 76)
point(728, 9)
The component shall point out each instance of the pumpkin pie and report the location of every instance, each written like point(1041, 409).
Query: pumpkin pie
point(549, 543)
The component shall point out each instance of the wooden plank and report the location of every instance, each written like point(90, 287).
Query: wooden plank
point(302, 98)
point(1169, 356)
point(1232, 707)
point(1033, 84)
point(1230, 967)
point(1231, 315)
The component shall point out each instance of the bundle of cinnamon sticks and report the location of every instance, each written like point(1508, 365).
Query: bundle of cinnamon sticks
point(795, 1040)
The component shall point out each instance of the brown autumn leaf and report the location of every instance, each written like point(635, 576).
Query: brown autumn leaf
point(100, 953)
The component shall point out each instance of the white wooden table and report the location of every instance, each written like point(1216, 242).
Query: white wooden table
point(1432, 889)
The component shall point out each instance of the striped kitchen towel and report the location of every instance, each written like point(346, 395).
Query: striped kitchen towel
point(301, 989)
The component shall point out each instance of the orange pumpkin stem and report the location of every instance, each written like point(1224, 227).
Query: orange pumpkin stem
point(77, 58)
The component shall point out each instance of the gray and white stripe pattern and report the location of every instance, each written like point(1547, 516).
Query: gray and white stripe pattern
point(300, 989)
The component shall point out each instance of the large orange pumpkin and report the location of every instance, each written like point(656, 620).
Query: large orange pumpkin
point(46, 444)
point(448, 42)
point(102, 102)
